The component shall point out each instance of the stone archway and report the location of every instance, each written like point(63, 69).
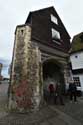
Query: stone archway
point(52, 73)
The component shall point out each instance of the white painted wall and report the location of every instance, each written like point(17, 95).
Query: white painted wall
point(77, 60)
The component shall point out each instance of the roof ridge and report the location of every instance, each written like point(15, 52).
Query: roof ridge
point(42, 9)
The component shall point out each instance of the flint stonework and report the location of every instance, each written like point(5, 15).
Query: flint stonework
point(25, 79)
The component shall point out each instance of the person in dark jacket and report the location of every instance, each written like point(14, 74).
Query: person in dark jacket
point(72, 91)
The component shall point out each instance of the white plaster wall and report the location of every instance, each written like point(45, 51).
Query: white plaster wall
point(77, 63)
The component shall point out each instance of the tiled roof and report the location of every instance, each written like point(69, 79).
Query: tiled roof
point(77, 43)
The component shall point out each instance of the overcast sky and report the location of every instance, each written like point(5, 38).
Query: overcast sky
point(15, 12)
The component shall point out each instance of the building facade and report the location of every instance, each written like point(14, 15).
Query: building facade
point(76, 60)
point(40, 56)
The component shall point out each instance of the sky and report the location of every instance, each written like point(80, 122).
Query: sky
point(15, 12)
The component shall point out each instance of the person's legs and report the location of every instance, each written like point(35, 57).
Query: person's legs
point(71, 96)
point(61, 99)
point(75, 99)
point(51, 97)
point(55, 99)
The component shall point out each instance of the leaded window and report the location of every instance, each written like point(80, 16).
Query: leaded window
point(77, 81)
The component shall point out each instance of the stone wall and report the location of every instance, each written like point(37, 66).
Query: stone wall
point(25, 91)
point(26, 88)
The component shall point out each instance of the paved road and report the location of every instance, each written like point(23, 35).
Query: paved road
point(3, 99)
point(75, 110)
point(3, 93)
point(48, 115)
point(69, 114)
point(3, 90)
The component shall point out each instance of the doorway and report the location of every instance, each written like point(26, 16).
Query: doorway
point(52, 74)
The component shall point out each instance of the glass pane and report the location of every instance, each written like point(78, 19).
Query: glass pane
point(55, 34)
point(54, 19)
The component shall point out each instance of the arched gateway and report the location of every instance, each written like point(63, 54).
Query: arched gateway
point(32, 64)
point(52, 73)
point(40, 55)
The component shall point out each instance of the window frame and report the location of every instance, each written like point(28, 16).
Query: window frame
point(55, 34)
point(77, 81)
point(54, 19)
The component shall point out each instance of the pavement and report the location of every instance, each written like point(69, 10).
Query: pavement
point(68, 114)
point(3, 99)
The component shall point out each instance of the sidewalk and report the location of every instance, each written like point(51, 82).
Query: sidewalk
point(74, 110)
point(3, 99)
point(70, 114)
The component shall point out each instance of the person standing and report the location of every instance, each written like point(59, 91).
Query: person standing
point(73, 91)
point(51, 89)
point(51, 92)
point(59, 94)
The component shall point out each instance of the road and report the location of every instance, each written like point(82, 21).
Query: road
point(3, 99)
point(69, 114)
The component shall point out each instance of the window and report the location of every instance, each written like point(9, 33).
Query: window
point(76, 56)
point(54, 19)
point(22, 32)
point(55, 34)
point(76, 81)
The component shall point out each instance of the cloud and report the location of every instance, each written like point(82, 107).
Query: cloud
point(6, 64)
point(15, 12)
point(71, 14)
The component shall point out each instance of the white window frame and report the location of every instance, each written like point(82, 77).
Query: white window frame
point(77, 80)
point(55, 34)
point(54, 19)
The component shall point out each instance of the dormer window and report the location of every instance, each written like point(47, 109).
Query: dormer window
point(54, 19)
point(55, 34)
